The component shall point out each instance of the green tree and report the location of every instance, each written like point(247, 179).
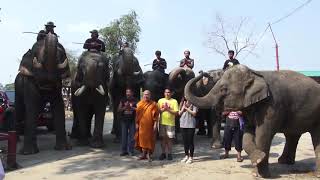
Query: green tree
point(124, 29)
point(9, 86)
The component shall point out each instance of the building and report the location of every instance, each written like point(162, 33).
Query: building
point(313, 74)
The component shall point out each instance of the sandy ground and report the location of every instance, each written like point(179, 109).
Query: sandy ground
point(88, 163)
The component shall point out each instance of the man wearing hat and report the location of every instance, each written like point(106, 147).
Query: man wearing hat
point(93, 43)
point(49, 27)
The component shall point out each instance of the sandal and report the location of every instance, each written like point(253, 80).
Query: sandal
point(142, 158)
point(239, 159)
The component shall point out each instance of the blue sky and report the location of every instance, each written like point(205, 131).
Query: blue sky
point(167, 25)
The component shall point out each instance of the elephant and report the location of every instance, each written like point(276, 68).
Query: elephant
point(40, 79)
point(126, 73)
point(156, 82)
point(90, 96)
point(213, 115)
point(272, 102)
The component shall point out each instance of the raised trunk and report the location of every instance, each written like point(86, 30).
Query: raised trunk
point(207, 101)
point(51, 60)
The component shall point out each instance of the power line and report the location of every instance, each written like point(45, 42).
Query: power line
point(275, 22)
point(291, 13)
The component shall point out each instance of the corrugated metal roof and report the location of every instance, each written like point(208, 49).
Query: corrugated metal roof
point(310, 73)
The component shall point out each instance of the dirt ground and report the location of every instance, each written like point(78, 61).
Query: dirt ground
point(88, 163)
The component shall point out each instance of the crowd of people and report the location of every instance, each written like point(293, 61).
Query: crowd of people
point(142, 120)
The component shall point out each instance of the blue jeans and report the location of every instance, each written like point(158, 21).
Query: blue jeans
point(128, 129)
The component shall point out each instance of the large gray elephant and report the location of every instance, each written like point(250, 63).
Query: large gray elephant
point(212, 115)
point(126, 73)
point(90, 96)
point(39, 80)
point(155, 81)
point(272, 101)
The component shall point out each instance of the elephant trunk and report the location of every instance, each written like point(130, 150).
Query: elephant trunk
point(206, 101)
point(175, 73)
point(51, 60)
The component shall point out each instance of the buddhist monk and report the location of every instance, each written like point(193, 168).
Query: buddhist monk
point(147, 114)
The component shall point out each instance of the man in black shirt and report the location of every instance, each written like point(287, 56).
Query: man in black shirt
point(93, 43)
point(159, 63)
point(231, 61)
point(127, 112)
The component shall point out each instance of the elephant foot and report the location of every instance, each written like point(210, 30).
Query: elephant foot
point(256, 157)
point(261, 173)
point(97, 143)
point(29, 150)
point(217, 145)
point(63, 146)
point(285, 160)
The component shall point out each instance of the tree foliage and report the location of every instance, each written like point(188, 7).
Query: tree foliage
point(226, 35)
point(124, 29)
point(9, 87)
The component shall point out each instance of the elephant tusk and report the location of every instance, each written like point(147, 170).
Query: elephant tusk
point(36, 63)
point(23, 70)
point(101, 90)
point(80, 90)
point(136, 73)
point(64, 64)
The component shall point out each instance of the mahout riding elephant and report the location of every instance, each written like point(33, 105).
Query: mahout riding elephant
point(272, 101)
point(90, 96)
point(39, 79)
point(126, 73)
point(212, 115)
point(155, 81)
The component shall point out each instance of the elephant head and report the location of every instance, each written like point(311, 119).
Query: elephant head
point(155, 81)
point(46, 61)
point(127, 64)
point(209, 79)
point(238, 88)
point(178, 78)
point(92, 73)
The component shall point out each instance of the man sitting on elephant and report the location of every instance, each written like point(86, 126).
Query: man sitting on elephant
point(49, 27)
point(93, 43)
point(159, 63)
point(187, 61)
point(231, 61)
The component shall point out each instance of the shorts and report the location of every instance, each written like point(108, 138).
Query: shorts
point(166, 131)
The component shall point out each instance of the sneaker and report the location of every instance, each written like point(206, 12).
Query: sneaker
point(189, 161)
point(169, 157)
point(162, 156)
point(124, 154)
point(185, 159)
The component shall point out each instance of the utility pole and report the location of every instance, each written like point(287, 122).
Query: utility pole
point(277, 47)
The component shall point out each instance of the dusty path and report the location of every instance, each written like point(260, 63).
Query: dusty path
point(87, 163)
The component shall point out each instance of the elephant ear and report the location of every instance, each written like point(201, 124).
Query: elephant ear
point(256, 89)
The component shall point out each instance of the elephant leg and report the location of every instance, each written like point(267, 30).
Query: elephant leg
point(249, 146)
point(84, 122)
point(19, 113)
point(116, 126)
point(289, 152)
point(315, 134)
point(97, 139)
point(32, 107)
point(75, 124)
point(263, 139)
point(88, 123)
point(209, 118)
point(216, 137)
point(59, 123)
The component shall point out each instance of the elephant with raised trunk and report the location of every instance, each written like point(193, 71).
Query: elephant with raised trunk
point(90, 96)
point(272, 102)
point(126, 73)
point(212, 115)
point(39, 79)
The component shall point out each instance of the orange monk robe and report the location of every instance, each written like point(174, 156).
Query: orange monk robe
point(147, 114)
